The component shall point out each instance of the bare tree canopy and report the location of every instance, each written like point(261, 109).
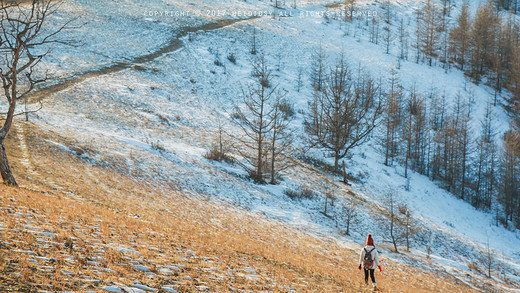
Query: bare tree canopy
point(24, 42)
point(344, 113)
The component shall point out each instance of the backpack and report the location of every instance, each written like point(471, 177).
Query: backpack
point(368, 262)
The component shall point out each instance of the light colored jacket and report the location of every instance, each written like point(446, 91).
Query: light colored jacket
point(375, 256)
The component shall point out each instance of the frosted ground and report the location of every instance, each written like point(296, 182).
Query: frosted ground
point(161, 117)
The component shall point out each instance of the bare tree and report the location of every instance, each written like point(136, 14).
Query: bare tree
point(429, 27)
point(253, 49)
point(486, 162)
point(374, 30)
point(510, 198)
point(513, 82)
point(350, 213)
point(330, 197)
point(299, 79)
point(403, 40)
point(414, 132)
point(407, 228)
point(343, 115)
point(429, 242)
point(387, 25)
point(264, 117)
point(483, 40)
point(317, 74)
point(220, 146)
point(489, 257)
point(24, 42)
point(392, 118)
point(393, 217)
point(463, 141)
point(505, 57)
point(460, 37)
point(253, 118)
point(280, 136)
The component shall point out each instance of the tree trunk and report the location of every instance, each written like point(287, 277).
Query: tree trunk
point(273, 148)
point(5, 169)
point(348, 225)
point(392, 232)
point(325, 211)
point(345, 179)
point(408, 231)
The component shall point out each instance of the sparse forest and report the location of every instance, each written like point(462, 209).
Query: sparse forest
point(420, 131)
point(425, 133)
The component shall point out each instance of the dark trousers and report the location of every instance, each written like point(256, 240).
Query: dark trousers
point(371, 271)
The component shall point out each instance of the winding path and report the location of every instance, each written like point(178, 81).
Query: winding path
point(174, 45)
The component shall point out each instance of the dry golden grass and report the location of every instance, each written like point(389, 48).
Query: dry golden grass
point(92, 211)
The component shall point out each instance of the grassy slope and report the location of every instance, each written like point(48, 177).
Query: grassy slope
point(117, 220)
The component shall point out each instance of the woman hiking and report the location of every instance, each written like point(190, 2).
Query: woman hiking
point(369, 260)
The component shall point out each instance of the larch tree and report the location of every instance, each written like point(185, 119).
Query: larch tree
point(413, 130)
point(486, 162)
point(318, 69)
point(264, 117)
point(390, 200)
point(459, 37)
point(387, 25)
point(344, 113)
point(510, 165)
point(461, 146)
point(253, 118)
point(465, 147)
point(510, 188)
point(513, 83)
point(429, 28)
point(350, 214)
point(403, 40)
point(280, 136)
point(437, 117)
point(374, 30)
point(507, 66)
point(483, 40)
point(392, 118)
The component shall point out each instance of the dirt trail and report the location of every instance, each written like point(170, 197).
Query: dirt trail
point(174, 45)
point(336, 5)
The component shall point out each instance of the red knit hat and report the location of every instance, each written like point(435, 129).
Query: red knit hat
point(370, 241)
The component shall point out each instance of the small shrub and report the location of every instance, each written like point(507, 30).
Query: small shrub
point(257, 178)
point(307, 193)
point(232, 58)
point(163, 119)
point(158, 146)
point(292, 194)
point(403, 209)
point(218, 62)
point(237, 115)
point(474, 266)
point(286, 108)
point(264, 81)
point(215, 154)
point(69, 243)
point(300, 193)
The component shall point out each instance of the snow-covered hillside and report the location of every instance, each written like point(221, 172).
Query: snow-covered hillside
point(160, 115)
